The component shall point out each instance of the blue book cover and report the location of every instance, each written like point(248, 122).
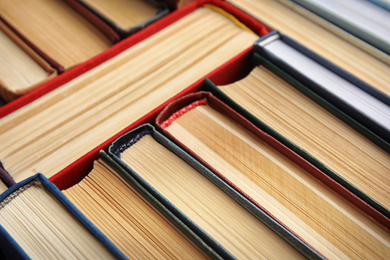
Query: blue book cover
point(11, 246)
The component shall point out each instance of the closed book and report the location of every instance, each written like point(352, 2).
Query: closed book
point(361, 101)
point(39, 222)
point(22, 69)
point(327, 40)
point(202, 200)
point(108, 98)
point(132, 218)
point(288, 110)
point(71, 37)
point(289, 189)
point(312, 143)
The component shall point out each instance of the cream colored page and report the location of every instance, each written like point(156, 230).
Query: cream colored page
point(56, 29)
point(315, 130)
point(73, 119)
point(204, 203)
point(320, 40)
point(127, 219)
point(125, 13)
point(44, 229)
point(17, 69)
point(333, 227)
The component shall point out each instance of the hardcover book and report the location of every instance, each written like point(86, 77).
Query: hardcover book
point(128, 219)
point(60, 127)
point(203, 200)
point(328, 41)
point(341, 147)
point(274, 177)
point(359, 100)
point(38, 222)
point(70, 120)
point(67, 40)
point(22, 69)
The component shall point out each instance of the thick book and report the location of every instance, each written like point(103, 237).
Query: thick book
point(70, 120)
point(273, 177)
point(361, 101)
point(343, 149)
point(138, 224)
point(240, 16)
point(127, 16)
point(327, 40)
point(203, 200)
point(38, 222)
point(22, 69)
point(70, 37)
point(363, 18)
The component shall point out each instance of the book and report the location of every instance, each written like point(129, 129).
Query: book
point(70, 120)
point(67, 40)
point(362, 18)
point(38, 222)
point(334, 147)
point(182, 183)
point(361, 101)
point(259, 167)
point(127, 218)
point(22, 69)
point(317, 145)
point(127, 16)
point(76, 165)
point(241, 17)
point(327, 40)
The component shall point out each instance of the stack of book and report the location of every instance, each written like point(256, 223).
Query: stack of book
point(202, 129)
point(43, 38)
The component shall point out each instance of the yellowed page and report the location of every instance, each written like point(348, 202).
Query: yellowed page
point(312, 128)
point(321, 218)
point(127, 219)
point(18, 71)
point(235, 228)
point(68, 122)
point(44, 229)
point(322, 41)
point(56, 29)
